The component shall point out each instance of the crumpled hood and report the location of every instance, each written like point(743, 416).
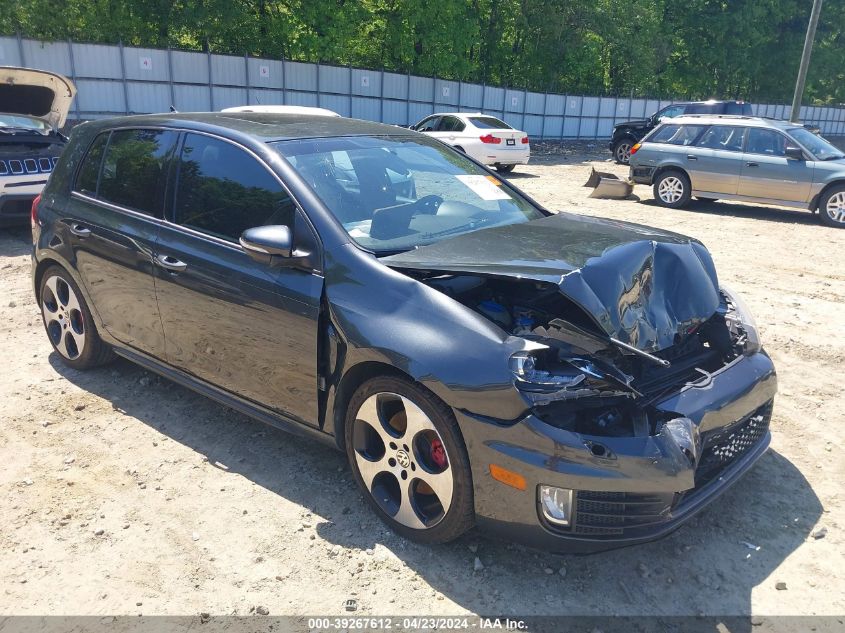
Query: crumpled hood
point(36, 93)
point(642, 286)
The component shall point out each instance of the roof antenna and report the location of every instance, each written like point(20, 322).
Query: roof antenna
point(173, 109)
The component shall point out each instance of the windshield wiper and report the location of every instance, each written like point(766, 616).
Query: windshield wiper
point(834, 157)
point(458, 229)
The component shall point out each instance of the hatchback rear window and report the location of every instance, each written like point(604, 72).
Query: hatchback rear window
point(676, 134)
point(134, 173)
point(489, 123)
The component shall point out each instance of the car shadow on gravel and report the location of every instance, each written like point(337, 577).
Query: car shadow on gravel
point(710, 566)
point(747, 211)
point(15, 241)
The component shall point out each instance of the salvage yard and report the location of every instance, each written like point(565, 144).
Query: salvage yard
point(123, 493)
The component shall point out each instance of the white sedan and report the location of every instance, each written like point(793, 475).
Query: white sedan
point(482, 137)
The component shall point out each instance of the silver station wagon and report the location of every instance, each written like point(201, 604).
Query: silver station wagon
point(742, 158)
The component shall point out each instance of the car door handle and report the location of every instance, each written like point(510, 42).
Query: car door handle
point(692, 157)
point(171, 263)
point(80, 230)
point(751, 165)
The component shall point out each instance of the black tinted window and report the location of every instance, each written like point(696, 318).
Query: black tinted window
point(450, 124)
point(738, 108)
point(134, 171)
point(428, 125)
point(223, 191)
point(672, 111)
point(727, 137)
point(761, 141)
point(86, 180)
point(489, 123)
point(676, 134)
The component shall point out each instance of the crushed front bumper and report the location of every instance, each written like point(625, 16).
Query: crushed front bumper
point(638, 488)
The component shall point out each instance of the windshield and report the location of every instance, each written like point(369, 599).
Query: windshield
point(489, 123)
point(22, 123)
point(818, 146)
point(396, 193)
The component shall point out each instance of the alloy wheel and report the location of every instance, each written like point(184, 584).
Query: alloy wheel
point(623, 152)
point(671, 189)
point(835, 207)
point(402, 460)
point(63, 317)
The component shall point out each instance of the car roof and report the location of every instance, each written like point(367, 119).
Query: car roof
point(259, 125)
point(729, 119)
point(709, 102)
point(282, 109)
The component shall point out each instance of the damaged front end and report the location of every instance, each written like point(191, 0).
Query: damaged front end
point(646, 390)
point(639, 440)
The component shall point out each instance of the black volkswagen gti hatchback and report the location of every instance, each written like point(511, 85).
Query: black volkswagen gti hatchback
point(572, 383)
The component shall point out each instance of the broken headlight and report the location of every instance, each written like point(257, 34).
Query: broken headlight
point(536, 370)
point(741, 323)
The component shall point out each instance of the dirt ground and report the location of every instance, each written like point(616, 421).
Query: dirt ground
point(122, 493)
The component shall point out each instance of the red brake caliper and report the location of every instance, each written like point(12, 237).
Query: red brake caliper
point(438, 453)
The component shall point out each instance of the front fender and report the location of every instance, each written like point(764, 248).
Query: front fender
point(381, 315)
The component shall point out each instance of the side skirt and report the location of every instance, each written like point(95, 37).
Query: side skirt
point(739, 198)
point(255, 411)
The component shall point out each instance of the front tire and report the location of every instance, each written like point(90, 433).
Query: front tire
point(407, 455)
point(832, 207)
point(68, 321)
point(672, 189)
point(622, 151)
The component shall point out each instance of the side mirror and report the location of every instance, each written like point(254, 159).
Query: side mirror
point(795, 153)
point(266, 243)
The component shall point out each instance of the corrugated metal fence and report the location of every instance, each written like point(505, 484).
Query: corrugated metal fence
point(122, 80)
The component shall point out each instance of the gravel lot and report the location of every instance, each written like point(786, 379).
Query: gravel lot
point(122, 493)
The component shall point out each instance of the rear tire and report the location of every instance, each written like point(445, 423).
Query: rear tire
point(504, 169)
point(406, 452)
point(832, 207)
point(68, 321)
point(622, 151)
point(672, 189)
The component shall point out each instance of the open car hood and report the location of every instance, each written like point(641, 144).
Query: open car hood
point(642, 286)
point(36, 93)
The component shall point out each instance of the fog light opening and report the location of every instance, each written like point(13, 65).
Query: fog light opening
point(556, 504)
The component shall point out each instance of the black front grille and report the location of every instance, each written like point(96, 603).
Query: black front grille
point(723, 446)
point(616, 514)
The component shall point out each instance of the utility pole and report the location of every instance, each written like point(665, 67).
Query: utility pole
point(805, 61)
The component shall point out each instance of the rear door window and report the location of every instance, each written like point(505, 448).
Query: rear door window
point(676, 134)
point(89, 172)
point(222, 190)
point(134, 172)
point(767, 142)
point(726, 137)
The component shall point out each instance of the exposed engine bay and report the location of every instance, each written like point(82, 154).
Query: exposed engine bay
point(577, 377)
